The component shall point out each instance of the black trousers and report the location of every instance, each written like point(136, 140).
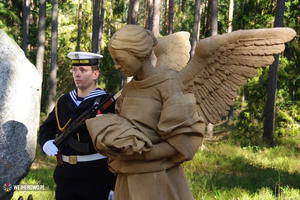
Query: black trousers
point(83, 189)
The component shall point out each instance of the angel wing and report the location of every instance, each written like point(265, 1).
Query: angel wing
point(173, 51)
point(222, 64)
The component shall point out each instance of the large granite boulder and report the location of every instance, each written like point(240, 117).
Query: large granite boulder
point(20, 88)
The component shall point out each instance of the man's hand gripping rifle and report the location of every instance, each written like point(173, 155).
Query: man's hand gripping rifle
point(75, 124)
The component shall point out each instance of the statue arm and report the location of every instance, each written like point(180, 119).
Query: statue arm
point(160, 151)
point(180, 127)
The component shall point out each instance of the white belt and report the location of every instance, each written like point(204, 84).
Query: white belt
point(84, 158)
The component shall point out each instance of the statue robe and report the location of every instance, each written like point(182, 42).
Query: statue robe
point(156, 128)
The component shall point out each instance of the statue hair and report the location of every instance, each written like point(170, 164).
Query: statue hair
point(134, 39)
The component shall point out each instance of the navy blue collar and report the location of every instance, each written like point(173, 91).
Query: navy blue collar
point(95, 93)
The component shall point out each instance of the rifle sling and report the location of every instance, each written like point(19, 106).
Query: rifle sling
point(79, 146)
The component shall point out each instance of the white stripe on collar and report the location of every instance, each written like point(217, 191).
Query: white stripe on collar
point(95, 93)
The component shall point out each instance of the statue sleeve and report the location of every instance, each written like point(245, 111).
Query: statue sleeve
point(116, 135)
point(181, 126)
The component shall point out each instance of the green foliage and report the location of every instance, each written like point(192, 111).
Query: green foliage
point(257, 14)
point(10, 19)
point(183, 19)
point(250, 121)
point(292, 11)
point(254, 14)
point(248, 14)
point(109, 77)
point(248, 130)
point(5, 12)
point(119, 8)
point(245, 168)
point(223, 11)
point(249, 125)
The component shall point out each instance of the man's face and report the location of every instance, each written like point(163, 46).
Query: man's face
point(84, 76)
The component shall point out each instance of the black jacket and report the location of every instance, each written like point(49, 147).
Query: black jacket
point(66, 109)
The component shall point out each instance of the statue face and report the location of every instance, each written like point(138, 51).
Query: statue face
point(126, 62)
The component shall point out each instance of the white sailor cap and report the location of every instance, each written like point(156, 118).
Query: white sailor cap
point(80, 58)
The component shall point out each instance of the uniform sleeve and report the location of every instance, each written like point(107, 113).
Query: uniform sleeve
point(48, 129)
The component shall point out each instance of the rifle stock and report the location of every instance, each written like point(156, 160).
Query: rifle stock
point(75, 124)
point(59, 158)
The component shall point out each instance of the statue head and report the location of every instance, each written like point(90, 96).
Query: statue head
point(134, 39)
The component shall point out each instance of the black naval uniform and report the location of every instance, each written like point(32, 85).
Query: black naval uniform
point(83, 180)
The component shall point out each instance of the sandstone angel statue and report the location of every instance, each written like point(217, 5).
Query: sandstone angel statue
point(160, 116)
point(221, 64)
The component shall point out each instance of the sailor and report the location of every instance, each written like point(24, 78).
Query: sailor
point(84, 173)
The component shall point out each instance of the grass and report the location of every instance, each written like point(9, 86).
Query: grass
point(228, 171)
point(222, 171)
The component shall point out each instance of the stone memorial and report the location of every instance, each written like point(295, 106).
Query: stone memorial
point(19, 114)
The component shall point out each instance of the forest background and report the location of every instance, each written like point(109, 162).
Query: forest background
point(48, 30)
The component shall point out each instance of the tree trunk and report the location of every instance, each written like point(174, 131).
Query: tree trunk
point(207, 16)
point(149, 15)
point(41, 37)
point(95, 34)
point(133, 12)
point(214, 18)
point(101, 25)
point(272, 81)
point(26, 6)
point(129, 13)
point(171, 16)
point(230, 18)
point(156, 17)
point(230, 15)
point(79, 26)
point(155, 25)
point(213, 27)
point(41, 43)
point(136, 11)
point(165, 17)
point(196, 27)
point(53, 66)
point(132, 19)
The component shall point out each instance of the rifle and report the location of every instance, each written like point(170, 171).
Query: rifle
point(75, 124)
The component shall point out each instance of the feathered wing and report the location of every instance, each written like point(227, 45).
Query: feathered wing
point(222, 64)
point(173, 51)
